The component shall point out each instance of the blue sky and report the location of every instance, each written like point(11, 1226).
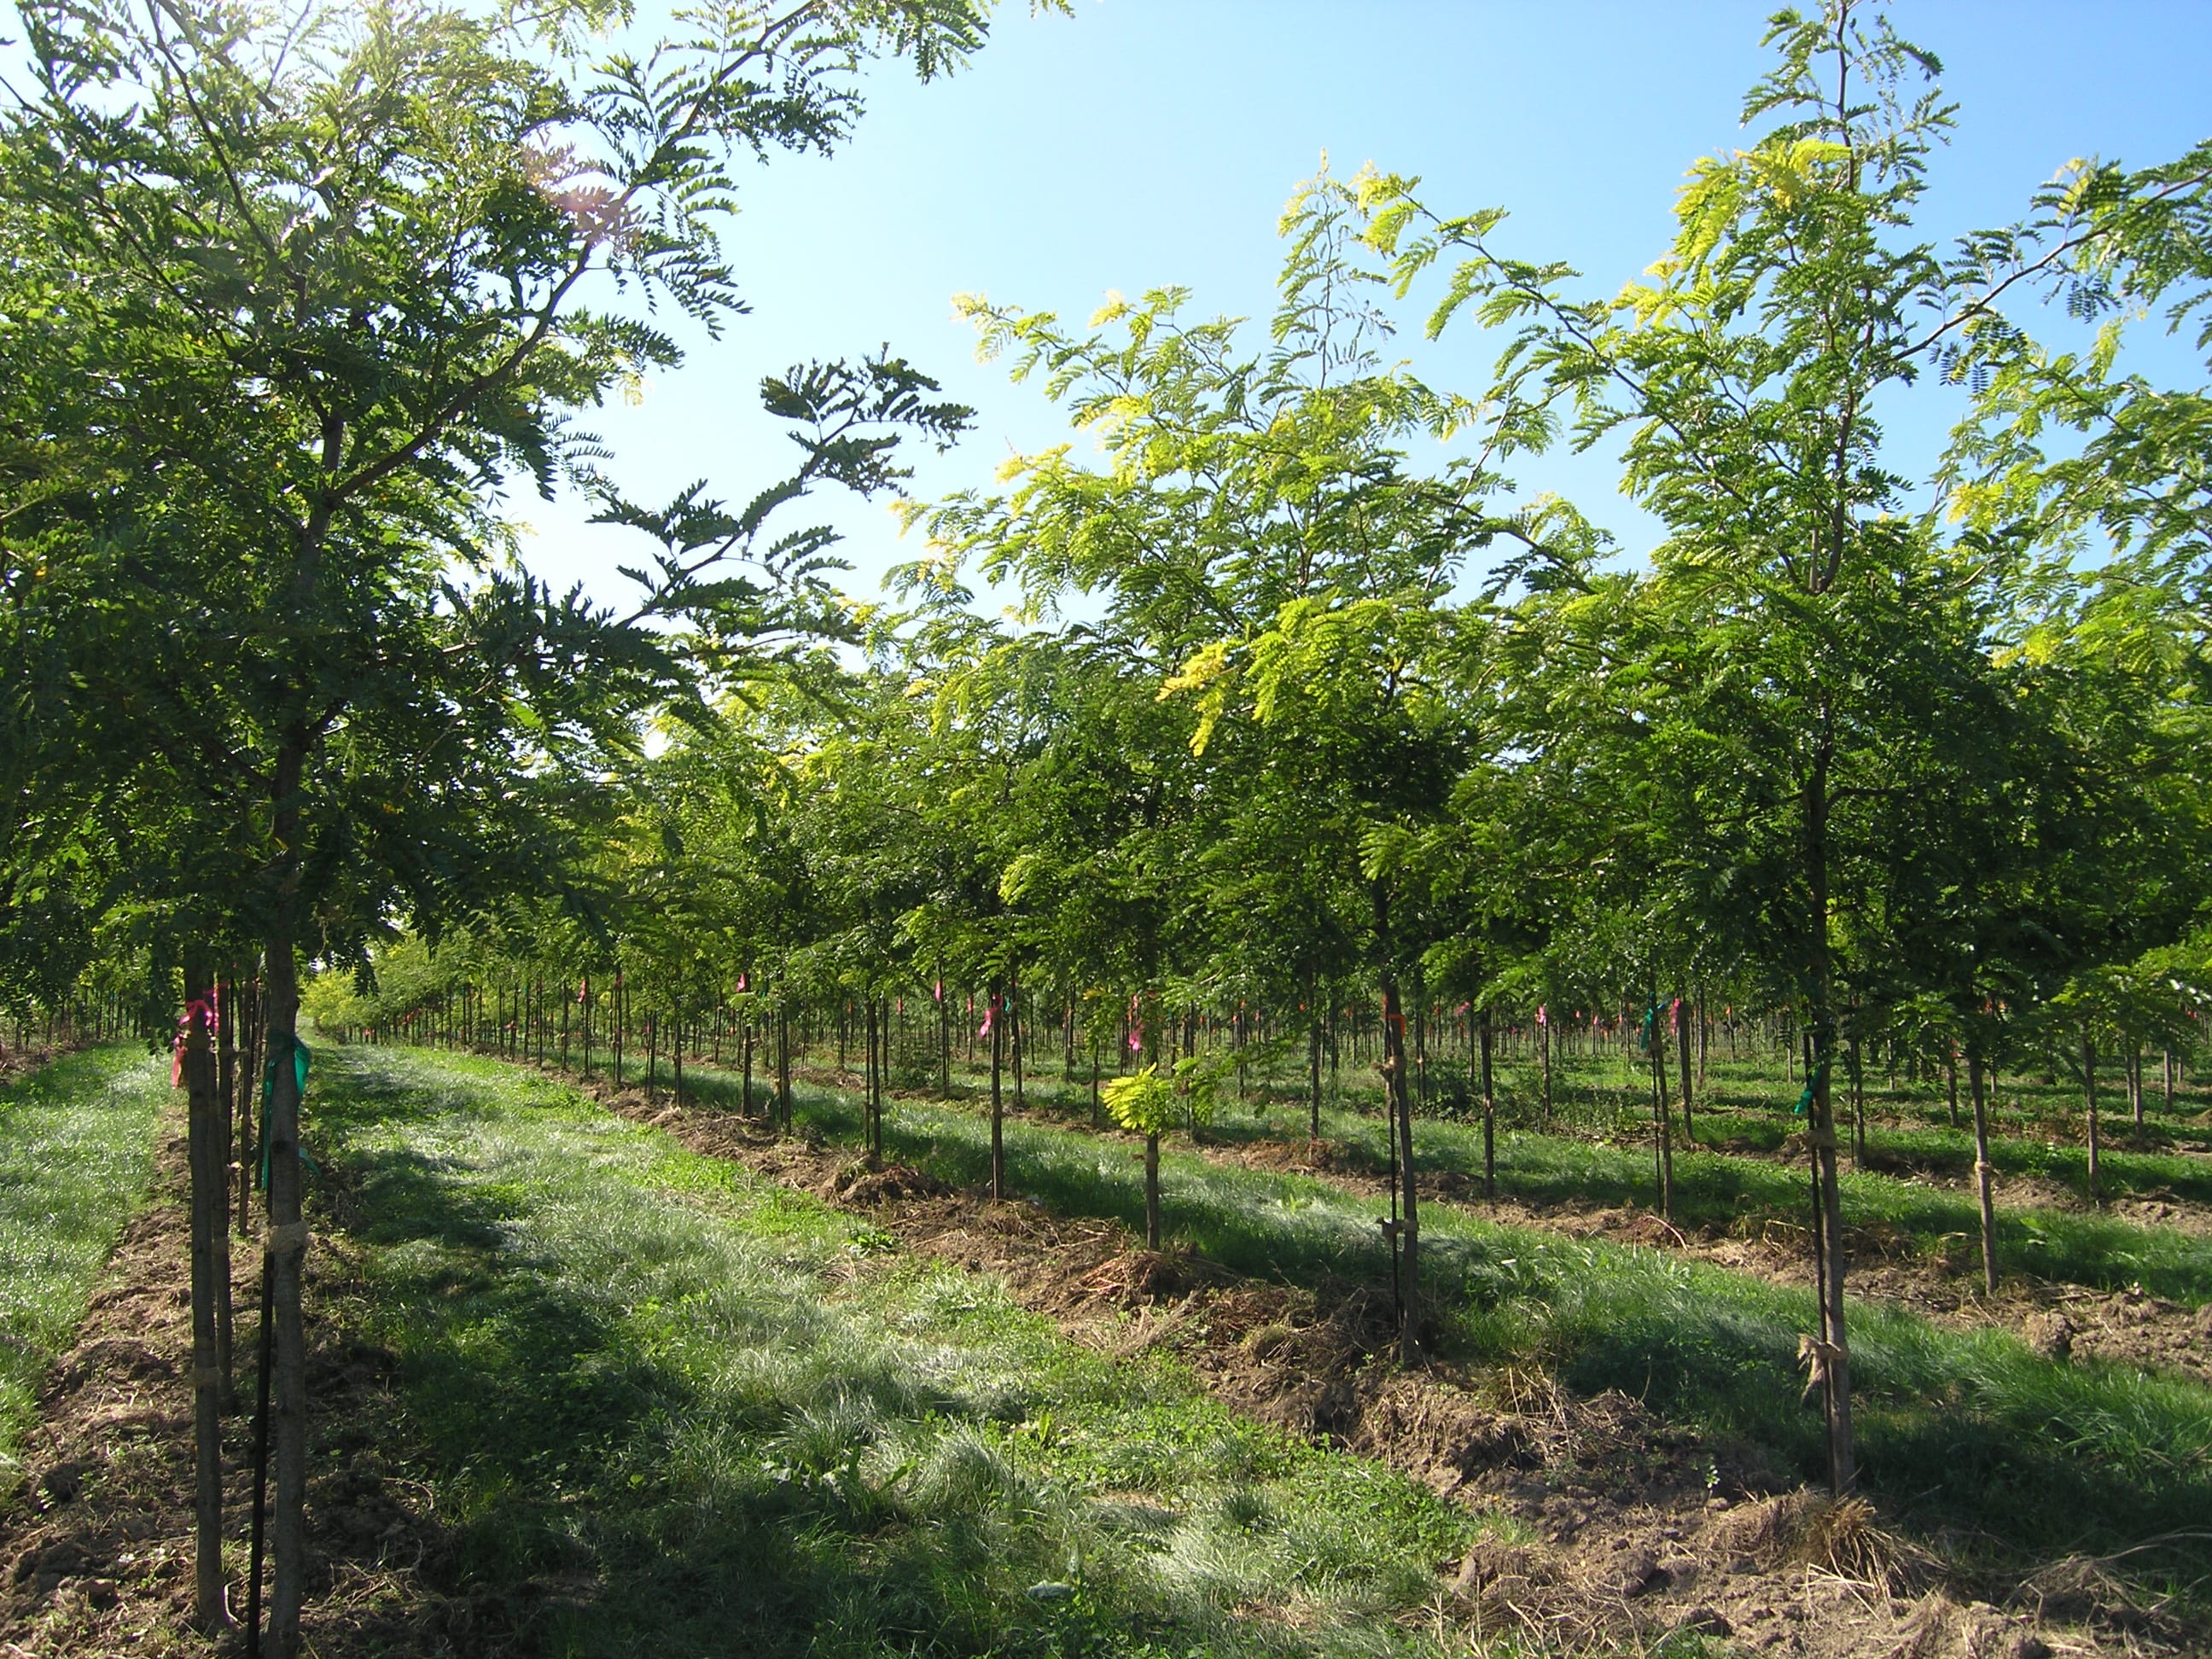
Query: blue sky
point(1150, 141)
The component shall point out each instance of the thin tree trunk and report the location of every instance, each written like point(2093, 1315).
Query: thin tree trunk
point(1858, 1103)
point(1834, 1354)
point(1951, 1080)
point(783, 1064)
point(1982, 1171)
point(205, 1139)
point(2089, 1100)
point(286, 1247)
point(1663, 1137)
point(1683, 1061)
point(1394, 1060)
point(996, 1014)
point(1489, 1113)
point(226, 1116)
point(875, 1081)
point(1153, 1191)
point(1544, 1050)
point(250, 1071)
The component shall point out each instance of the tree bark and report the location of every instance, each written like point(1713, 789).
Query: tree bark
point(1834, 1356)
point(1662, 1138)
point(1683, 1062)
point(2089, 1100)
point(1544, 1050)
point(206, 1141)
point(783, 1064)
point(1982, 1169)
point(1153, 1191)
point(285, 1243)
point(1408, 1236)
point(1489, 1114)
point(226, 1083)
point(995, 1013)
point(251, 1070)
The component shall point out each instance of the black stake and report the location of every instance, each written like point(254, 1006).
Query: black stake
point(260, 1474)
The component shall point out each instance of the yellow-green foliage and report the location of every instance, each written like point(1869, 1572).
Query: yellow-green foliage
point(1142, 1102)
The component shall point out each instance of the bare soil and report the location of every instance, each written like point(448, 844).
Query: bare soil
point(1632, 1528)
point(96, 1541)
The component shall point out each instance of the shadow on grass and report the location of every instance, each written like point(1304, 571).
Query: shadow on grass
point(645, 1431)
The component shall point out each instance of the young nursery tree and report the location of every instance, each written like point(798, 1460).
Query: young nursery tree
point(1744, 381)
point(379, 243)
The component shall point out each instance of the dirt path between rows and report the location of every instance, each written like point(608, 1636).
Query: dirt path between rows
point(1634, 1528)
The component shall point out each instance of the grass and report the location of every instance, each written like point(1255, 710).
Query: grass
point(1730, 1185)
point(666, 1406)
point(1960, 1430)
point(77, 1154)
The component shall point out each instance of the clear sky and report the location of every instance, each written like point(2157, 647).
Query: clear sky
point(1150, 142)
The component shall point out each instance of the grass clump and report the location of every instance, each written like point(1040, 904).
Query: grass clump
point(77, 1154)
point(667, 1406)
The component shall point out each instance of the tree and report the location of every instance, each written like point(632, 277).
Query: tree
point(1742, 381)
point(352, 252)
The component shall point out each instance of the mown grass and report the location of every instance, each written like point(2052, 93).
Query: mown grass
point(1960, 1430)
point(77, 1154)
point(668, 1407)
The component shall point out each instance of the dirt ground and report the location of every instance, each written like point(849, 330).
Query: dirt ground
point(1634, 1528)
point(96, 1540)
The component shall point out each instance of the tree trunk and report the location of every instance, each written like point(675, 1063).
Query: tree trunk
point(226, 1116)
point(286, 1247)
point(1544, 1050)
point(1982, 1171)
point(1662, 1138)
point(783, 1064)
point(2089, 1100)
point(875, 1080)
point(1153, 1191)
point(1951, 1080)
point(996, 1014)
point(1834, 1354)
point(1313, 1058)
point(746, 1107)
point(1408, 1237)
point(206, 1141)
point(1489, 1114)
point(251, 1072)
point(1683, 1061)
point(1851, 1067)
